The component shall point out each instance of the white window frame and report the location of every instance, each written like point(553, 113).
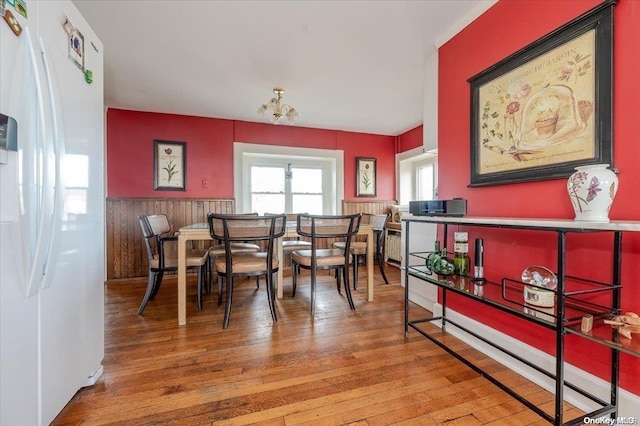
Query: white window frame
point(417, 165)
point(331, 161)
point(407, 164)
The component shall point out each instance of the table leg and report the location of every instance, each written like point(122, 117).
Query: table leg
point(182, 280)
point(369, 234)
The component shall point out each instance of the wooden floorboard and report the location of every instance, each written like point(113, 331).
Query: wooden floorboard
point(339, 367)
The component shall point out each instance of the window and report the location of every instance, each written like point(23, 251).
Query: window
point(426, 180)
point(306, 190)
point(267, 189)
point(279, 179)
point(285, 188)
point(417, 175)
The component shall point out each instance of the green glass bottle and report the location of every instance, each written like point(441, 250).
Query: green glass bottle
point(443, 265)
point(433, 257)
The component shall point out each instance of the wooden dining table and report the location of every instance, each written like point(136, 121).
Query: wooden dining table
point(200, 232)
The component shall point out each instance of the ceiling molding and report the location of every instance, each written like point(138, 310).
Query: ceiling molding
point(482, 7)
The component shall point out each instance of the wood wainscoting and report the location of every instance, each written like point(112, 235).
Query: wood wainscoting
point(372, 207)
point(126, 255)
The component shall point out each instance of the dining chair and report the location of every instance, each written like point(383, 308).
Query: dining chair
point(162, 254)
point(217, 250)
point(318, 227)
point(289, 246)
point(254, 229)
point(358, 249)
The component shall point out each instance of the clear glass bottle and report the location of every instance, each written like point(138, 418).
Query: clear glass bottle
point(461, 253)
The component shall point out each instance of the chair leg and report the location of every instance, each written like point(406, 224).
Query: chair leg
point(338, 280)
point(270, 291)
point(209, 279)
point(156, 284)
point(384, 277)
point(355, 271)
point(257, 281)
point(294, 278)
point(273, 280)
point(219, 290)
point(347, 290)
point(227, 310)
point(313, 291)
point(147, 294)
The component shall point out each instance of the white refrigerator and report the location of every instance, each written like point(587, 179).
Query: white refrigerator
point(51, 209)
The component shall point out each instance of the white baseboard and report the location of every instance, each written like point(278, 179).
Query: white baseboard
point(422, 300)
point(629, 404)
point(93, 378)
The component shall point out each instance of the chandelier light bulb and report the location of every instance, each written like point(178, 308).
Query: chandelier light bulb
point(292, 115)
point(262, 108)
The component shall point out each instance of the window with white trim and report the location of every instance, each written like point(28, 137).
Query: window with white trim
point(417, 175)
point(278, 179)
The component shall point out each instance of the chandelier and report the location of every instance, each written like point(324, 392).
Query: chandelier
point(279, 109)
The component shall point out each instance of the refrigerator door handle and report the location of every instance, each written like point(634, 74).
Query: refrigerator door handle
point(33, 280)
point(58, 153)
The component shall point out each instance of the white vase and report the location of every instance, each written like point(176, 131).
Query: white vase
point(591, 190)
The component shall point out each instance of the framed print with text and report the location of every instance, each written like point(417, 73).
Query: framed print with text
point(547, 108)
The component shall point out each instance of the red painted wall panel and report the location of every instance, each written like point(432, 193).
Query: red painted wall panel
point(410, 140)
point(371, 146)
point(504, 29)
point(130, 136)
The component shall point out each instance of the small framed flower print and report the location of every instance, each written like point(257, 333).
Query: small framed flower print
point(170, 165)
point(365, 177)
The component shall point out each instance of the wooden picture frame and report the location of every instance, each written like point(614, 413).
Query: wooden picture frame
point(366, 177)
point(547, 108)
point(170, 165)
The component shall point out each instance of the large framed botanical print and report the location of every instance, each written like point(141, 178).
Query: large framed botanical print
point(548, 107)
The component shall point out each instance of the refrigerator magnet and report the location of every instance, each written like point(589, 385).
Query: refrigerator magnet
point(76, 48)
point(3, 7)
point(21, 7)
point(68, 26)
point(12, 22)
point(11, 2)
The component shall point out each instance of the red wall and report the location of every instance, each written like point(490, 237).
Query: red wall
point(130, 136)
point(411, 139)
point(505, 28)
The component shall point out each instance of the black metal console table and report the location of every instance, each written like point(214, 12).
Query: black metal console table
point(573, 301)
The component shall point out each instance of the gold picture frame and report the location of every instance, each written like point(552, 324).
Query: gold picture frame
point(547, 108)
point(170, 165)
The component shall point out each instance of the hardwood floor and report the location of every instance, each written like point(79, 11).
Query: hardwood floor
point(341, 367)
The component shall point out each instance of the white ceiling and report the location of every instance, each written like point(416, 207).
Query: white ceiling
point(347, 65)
